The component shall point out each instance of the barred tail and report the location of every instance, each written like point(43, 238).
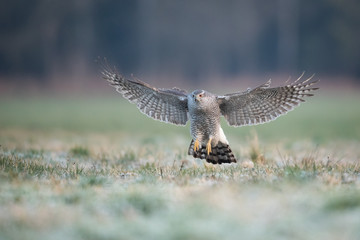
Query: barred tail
point(221, 153)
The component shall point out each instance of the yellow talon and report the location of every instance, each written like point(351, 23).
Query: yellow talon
point(196, 145)
point(208, 147)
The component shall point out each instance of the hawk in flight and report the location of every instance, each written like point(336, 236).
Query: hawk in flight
point(204, 109)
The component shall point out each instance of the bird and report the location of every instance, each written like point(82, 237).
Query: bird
point(204, 109)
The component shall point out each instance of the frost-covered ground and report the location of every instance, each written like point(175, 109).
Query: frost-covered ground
point(97, 169)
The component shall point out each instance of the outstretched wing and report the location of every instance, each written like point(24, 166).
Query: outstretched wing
point(264, 104)
point(167, 105)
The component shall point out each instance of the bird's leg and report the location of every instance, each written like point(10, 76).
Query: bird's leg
point(208, 146)
point(196, 145)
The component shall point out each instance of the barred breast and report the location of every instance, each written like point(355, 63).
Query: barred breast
point(205, 123)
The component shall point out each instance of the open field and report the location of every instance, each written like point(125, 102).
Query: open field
point(96, 168)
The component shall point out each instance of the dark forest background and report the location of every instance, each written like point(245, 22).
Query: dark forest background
point(43, 40)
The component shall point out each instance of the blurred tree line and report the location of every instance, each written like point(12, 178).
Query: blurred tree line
point(42, 38)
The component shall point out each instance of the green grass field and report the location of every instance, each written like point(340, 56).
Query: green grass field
point(96, 168)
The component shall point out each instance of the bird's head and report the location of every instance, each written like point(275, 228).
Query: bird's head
point(201, 98)
point(198, 95)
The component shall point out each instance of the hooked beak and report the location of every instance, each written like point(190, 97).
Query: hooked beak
point(197, 98)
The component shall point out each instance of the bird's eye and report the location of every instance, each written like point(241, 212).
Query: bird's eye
point(200, 95)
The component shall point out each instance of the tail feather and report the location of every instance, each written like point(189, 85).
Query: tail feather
point(221, 153)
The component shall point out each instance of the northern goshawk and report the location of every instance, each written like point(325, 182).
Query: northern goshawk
point(204, 109)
